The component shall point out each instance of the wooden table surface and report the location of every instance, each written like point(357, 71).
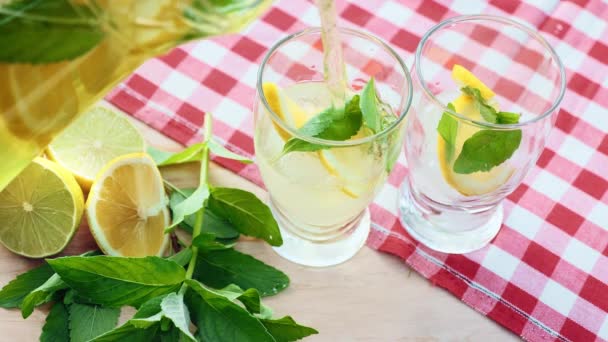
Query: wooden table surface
point(372, 297)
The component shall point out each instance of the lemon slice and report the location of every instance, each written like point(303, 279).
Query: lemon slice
point(285, 108)
point(477, 183)
point(464, 77)
point(342, 163)
point(127, 208)
point(94, 139)
point(352, 167)
point(40, 210)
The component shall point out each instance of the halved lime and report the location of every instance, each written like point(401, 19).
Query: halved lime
point(94, 139)
point(40, 210)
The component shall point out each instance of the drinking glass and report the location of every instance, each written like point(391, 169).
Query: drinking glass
point(320, 198)
point(457, 208)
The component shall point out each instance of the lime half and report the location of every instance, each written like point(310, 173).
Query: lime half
point(94, 139)
point(40, 210)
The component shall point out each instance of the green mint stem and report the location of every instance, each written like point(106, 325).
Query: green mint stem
point(198, 222)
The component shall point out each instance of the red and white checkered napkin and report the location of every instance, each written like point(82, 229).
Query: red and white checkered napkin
point(545, 276)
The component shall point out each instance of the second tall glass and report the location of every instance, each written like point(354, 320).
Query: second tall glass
point(487, 89)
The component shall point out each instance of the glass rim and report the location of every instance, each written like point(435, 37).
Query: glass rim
point(483, 17)
point(335, 143)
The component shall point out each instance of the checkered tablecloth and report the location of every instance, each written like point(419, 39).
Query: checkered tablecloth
point(545, 276)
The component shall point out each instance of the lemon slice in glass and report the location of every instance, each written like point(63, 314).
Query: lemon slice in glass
point(477, 183)
point(94, 139)
point(287, 109)
point(464, 77)
point(127, 207)
point(40, 210)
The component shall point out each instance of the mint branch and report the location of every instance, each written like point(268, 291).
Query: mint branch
point(486, 148)
point(198, 223)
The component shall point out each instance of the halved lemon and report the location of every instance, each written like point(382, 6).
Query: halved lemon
point(285, 108)
point(464, 77)
point(94, 139)
point(40, 210)
point(127, 207)
point(477, 183)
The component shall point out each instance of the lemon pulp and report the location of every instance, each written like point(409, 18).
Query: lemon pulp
point(40, 210)
point(94, 139)
point(126, 208)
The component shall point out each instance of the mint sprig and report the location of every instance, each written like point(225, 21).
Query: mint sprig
point(488, 112)
point(331, 124)
point(485, 149)
point(207, 284)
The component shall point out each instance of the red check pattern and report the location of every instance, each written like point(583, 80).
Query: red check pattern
point(545, 276)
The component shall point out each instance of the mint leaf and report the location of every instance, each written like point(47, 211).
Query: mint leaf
point(219, 319)
point(486, 149)
point(247, 213)
point(56, 327)
point(90, 321)
point(33, 31)
point(331, 124)
point(287, 330)
point(208, 242)
point(221, 268)
point(157, 155)
point(190, 154)
point(250, 298)
point(189, 206)
point(507, 118)
point(221, 151)
point(447, 128)
point(41, 294)
point(487, 112)
point(182, 257)
point(72, 296)
point(127, 332)
point(172, 307)
point(212, 223)
point(116, 281)
point(369, 107)
point(12, 294)
point(150, 307)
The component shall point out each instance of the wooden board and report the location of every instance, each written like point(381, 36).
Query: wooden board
point(373, 297)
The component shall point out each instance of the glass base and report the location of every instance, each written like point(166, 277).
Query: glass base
point(462, 231)
point(322, 253)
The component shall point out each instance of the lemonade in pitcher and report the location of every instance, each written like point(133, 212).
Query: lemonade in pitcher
point(57, 57)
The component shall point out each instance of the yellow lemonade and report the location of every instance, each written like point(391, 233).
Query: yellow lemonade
point(318, 191)
point(46, 83)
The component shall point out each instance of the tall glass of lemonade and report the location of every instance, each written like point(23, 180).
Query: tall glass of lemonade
point(324, 148)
